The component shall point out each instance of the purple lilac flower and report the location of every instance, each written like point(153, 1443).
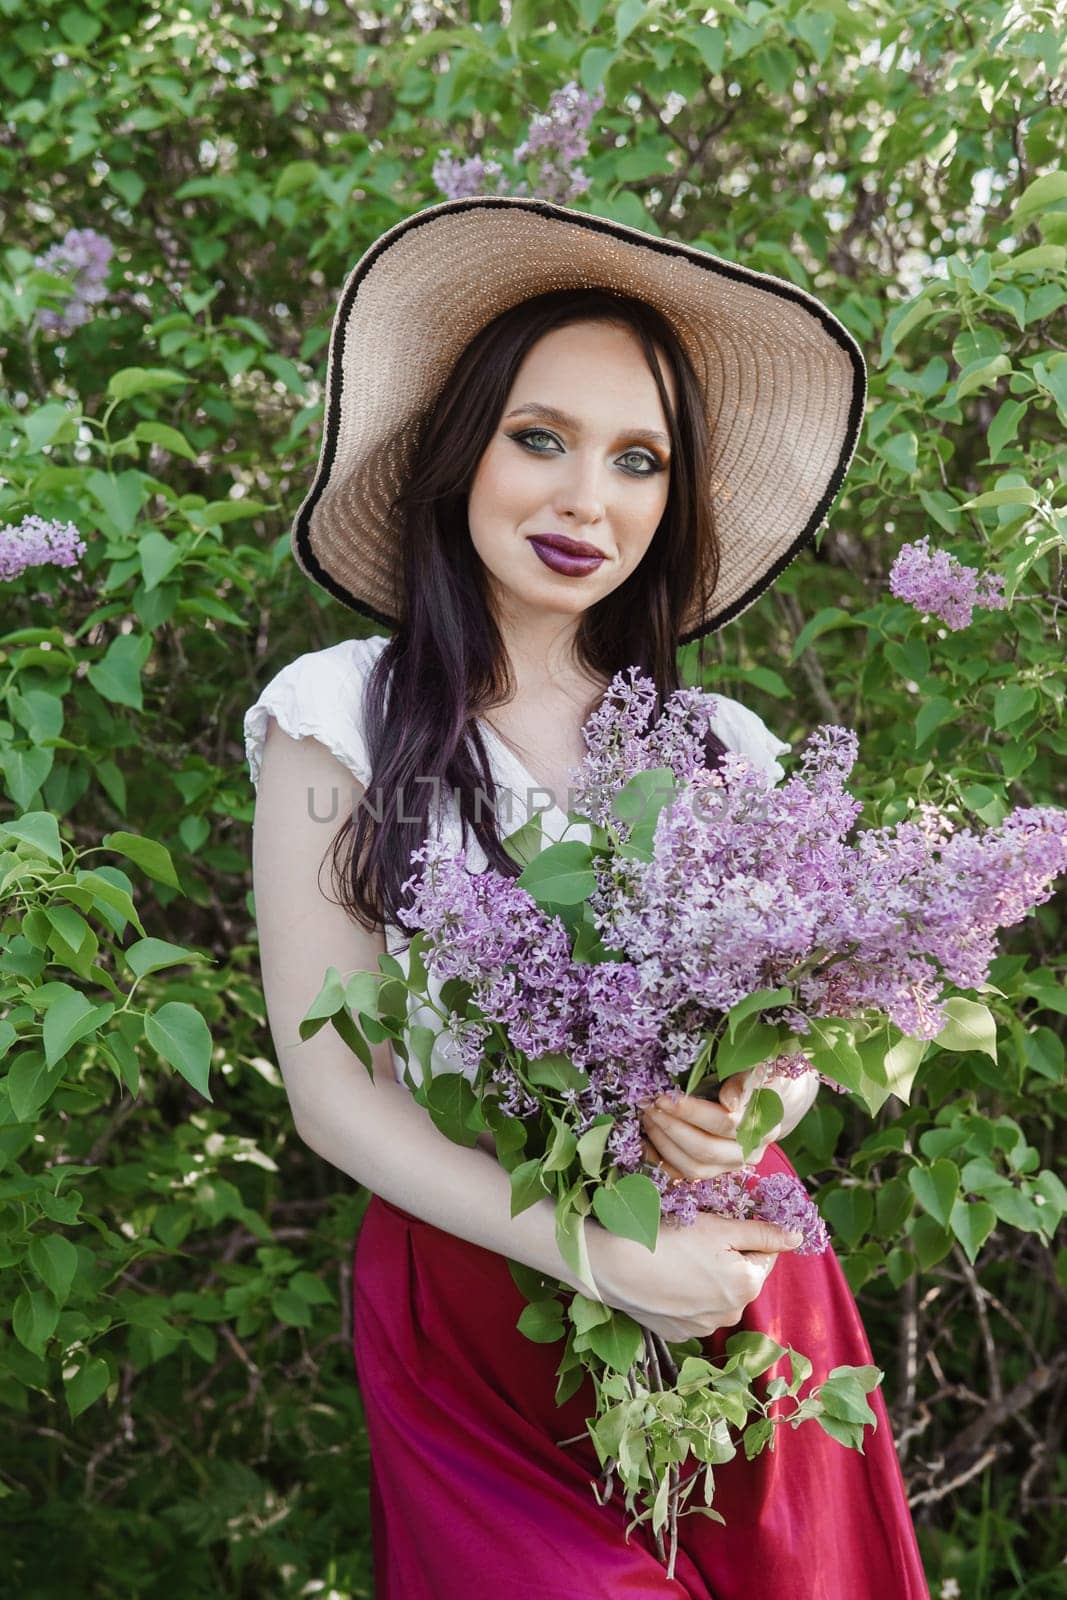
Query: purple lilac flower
point(487, 930)
point(35, 542)
point(457, 178)
point(561, 133)
point(764, 892)
point(939, 584)
point(779, 1197)
point(84, 255)
point(620, 743)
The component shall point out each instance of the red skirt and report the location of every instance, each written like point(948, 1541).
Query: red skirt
point(473, 1496)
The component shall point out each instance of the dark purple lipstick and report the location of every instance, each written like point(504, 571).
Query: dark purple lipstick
point(569, 556)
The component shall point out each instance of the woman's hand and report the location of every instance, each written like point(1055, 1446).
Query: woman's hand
point(694, 1138)
point(699, 1277)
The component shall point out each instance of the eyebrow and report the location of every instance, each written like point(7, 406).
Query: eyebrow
point(551, 414)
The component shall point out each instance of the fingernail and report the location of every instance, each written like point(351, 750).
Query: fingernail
point(795, 1238)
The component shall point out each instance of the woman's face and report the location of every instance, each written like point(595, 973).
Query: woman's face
point(595, 471)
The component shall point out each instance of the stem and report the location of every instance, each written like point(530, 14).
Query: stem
point(655, 1384)
point(653, 1345)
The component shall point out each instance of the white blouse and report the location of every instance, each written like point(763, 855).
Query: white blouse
point(320, 695)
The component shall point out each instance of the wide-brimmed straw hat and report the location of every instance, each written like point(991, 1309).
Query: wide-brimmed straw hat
point(784, 383)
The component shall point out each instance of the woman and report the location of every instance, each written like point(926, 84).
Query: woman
point(554, 447)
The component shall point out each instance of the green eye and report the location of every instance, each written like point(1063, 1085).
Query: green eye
point(653, 464)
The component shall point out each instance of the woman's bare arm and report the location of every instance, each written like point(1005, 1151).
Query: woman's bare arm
point(372, 1130)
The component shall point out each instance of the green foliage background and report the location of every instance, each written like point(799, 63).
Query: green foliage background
point(175, 1322)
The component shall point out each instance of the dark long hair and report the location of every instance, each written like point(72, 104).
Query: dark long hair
point(446, 664)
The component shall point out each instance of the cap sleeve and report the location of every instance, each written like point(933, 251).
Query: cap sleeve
point(744, 730)
point(320, 696)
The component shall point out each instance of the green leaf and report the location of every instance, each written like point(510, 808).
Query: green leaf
point(890, 1065)
point(936, 711)
point(972, 1221)
point(760, 1000)
point(618, 1343)
point(844, 1396)
point(526, 1186)
point(980, 375)
point(752, 1042)
point(152, 858)
point(849, 1212)
point(31, 1083)
point(526, 842)
point(971, 1026)
point(1044, 193)
point(149, 955)
point(641, 799)
point(561, 875)
point(542, 1322)
point(760, 1118)
point(162, 433)
point(1011, 703)
point(756, 1352)
point(627, 17)
point(52, 423)
point(1045, 1053)
point(128, 381)
point(822, 622)
point(68, 1018)
point(592, 1145)
point(555, 1071)
point(710, 44)
point(159, 556)
point(901, 450)
point(1015, 494)
point(562, 1150)
point(25, 771)
point(816, 28)
point(936, 1188)
point(122, 495)
point(87, 1385)
point(114, 895)
point(179, 1034)
point(117, 675)
point(34, 1318)
point(630, 1208)
point(1003, 428)
point(55, 1260)
point(38, 829)
point(572, 1245)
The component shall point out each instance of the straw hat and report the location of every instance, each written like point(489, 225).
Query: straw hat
point(785, 382)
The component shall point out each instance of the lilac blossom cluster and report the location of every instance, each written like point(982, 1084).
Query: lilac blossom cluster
point(941, 586)
point(766, 893)
point(777, 1197)
point(621, 744)
point(763, 893)
point(492, 933)
point(559, 134)
point(84, 255)
point(35, 542)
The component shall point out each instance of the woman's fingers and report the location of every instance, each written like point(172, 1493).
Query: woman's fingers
point(695, 1153)
point(707, 1115)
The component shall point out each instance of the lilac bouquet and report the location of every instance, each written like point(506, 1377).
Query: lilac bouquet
point(710, 923)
